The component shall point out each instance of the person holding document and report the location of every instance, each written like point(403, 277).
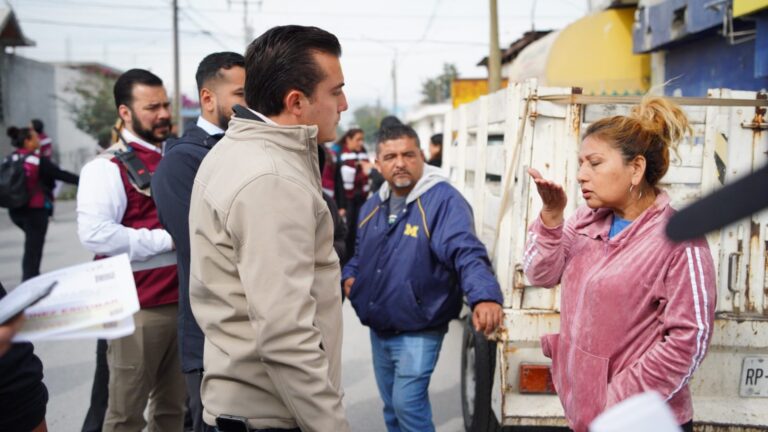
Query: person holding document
point(23, 396)
point(116, 214)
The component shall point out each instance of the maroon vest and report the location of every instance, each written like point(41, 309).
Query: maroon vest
point(158, 286)
point(32, 172)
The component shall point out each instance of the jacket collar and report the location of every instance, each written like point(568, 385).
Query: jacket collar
point(429, 178)
point(597, 223)
point(208, 127)
point(247, 126)
point(194, 134)
point(139, 143)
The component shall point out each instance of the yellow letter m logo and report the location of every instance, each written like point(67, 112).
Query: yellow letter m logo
point(411, 230)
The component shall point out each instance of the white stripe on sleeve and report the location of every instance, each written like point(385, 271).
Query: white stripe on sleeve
point(706, 308)
point(700, 333)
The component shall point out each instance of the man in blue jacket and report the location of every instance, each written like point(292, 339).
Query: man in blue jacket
point(417, 256)
point(220, 80)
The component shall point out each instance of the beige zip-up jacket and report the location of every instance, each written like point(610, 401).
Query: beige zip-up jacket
point(264, 282)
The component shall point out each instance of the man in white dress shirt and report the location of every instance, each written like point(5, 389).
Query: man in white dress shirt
point(115, 215)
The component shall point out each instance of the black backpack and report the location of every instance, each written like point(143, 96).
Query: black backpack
point(13, 182)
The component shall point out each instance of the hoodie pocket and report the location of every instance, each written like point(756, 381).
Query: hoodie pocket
point(588, 375)
point(415, 302)
point(550, 346)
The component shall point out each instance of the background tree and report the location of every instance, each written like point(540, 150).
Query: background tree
point(438, 89)
point(367, 118)
point(92, 107)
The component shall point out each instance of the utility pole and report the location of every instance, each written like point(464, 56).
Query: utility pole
point(494, 57)
point(67, 50)
point(247, 32)
point(247, 28)
point(176, 83)
point(394, 84)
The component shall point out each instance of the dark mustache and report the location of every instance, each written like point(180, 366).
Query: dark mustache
point(162, 123)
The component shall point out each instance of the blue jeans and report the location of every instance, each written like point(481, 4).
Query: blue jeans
point(403, 365)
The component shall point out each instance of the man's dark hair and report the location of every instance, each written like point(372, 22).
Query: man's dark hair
point(281, 60)
point(436, 139)
point(389, 121)
point(37, 125)
point(396, 132)
point(212, 64)
point(124, 85)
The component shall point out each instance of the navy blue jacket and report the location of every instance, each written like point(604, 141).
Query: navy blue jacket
point(411, 276)
point(171, 189)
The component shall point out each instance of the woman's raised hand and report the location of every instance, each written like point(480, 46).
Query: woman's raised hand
point(553, 196)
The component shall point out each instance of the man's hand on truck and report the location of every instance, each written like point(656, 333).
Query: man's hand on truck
point(487, 317)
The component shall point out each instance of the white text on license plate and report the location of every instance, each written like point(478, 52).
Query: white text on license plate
point(754, 377)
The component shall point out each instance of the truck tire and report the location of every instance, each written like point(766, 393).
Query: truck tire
point(478, 363)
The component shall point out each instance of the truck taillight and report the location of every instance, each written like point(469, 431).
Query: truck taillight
point(536, 378)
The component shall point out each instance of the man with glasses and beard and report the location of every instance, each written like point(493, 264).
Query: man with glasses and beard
point(116, 215)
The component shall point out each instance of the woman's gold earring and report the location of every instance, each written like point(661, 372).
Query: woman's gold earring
point(630, 188)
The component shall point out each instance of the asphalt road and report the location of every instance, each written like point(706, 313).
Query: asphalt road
point(69, 365)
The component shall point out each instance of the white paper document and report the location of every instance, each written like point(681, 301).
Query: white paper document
point(92, 300)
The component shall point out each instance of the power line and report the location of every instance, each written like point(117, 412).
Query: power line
point(372, 15)
point(193, 9)
point(203, 32)
point(411, 41)
point(430, 20)
point(99, 5)
point(112, 26)
point(202, 29)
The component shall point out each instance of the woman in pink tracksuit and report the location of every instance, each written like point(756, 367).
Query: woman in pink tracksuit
point(636, 310)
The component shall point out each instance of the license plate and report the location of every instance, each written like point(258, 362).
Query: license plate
point(754, 377)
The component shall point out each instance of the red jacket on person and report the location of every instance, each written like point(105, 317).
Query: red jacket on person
point(46, 145)
point(37, 170)
point(354, 178)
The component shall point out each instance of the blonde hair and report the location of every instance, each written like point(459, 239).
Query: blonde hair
point(650, 130)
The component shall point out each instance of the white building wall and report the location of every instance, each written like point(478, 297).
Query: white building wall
point(427, 120)
point(33, 89)
point(27, 92)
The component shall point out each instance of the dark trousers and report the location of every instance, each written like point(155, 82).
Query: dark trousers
point(353, 213)
point(34, 223)
point(194, 402)
point(94, 419)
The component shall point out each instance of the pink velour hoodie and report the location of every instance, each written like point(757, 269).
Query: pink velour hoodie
point(636, 310)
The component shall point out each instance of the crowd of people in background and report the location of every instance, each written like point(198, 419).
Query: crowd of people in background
point(241, 330)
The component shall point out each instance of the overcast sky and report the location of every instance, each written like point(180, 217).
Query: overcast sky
point(423, 34)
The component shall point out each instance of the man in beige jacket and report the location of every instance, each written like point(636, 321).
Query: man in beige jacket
point(264, 283)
